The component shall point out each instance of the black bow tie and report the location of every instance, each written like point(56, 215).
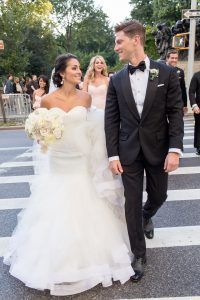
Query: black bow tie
point(141, 67)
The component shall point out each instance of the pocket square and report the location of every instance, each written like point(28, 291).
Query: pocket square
point(162, 84)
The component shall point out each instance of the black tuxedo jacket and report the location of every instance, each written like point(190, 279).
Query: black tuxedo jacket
point(181, 77)
point(160, 126)
point(194, 89)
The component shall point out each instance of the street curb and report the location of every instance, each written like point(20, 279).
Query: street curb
point(11, 127)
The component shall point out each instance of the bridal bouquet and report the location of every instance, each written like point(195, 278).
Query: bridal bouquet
point(45, 126)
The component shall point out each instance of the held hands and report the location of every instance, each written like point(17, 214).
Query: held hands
point(115, 167)
point(171, 162)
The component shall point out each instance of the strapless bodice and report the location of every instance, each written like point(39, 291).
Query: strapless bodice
point(98, 94)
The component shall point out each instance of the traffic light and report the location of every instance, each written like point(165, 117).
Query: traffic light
point(181, 41)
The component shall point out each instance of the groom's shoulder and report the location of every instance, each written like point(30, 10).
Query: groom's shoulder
point(120, 72)
point(163, 67)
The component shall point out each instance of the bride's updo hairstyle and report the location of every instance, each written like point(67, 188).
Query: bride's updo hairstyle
point(60, 66)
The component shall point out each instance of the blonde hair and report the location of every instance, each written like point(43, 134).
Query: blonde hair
point(90, 69)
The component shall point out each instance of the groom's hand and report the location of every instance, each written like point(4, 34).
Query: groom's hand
point(115, 167)
point(171, 162)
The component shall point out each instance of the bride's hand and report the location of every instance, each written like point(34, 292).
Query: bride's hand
point(115, 167)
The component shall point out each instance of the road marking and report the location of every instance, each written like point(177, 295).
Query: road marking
point(16, 179)
point(29, 178)
point(164, 237)
point(180, 195)
point(167, 298)
point(13, 203)
point(14, 164)
point(175, 237)
point(15, 148)
point(186, 170)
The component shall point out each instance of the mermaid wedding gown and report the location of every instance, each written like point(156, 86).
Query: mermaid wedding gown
point(72, 236)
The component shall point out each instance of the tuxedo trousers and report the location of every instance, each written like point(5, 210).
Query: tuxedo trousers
point(156, 187)
point(197, 131)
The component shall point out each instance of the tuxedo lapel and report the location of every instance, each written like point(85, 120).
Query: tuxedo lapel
point(151, 91)
point(127, 91)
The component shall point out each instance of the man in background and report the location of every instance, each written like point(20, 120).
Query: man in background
point(172, 60)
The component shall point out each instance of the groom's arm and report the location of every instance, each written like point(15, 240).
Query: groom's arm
point(175, 112)
point(112, 121)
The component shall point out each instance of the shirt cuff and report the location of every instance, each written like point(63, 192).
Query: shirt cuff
point(194, 105)
point(176, 150)
point(113, 158)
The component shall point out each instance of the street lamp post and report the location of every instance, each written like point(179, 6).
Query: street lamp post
point(191, 46)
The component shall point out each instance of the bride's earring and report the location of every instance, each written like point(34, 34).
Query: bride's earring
point(62, 80)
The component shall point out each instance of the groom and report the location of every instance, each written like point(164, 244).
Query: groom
point(144, 131)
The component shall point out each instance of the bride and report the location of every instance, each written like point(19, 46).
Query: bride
point(72, 236)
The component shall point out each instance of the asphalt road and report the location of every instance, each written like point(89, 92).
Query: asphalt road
point(173, 269)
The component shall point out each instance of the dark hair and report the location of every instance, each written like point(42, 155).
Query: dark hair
point(46, 80)
point(60, 66)
point(171, 51)
point(131, 28)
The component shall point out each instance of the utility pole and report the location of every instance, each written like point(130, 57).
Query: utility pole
point(191, 46)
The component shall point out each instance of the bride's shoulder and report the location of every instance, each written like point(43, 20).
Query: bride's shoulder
point(85, 98)
point(47, 100)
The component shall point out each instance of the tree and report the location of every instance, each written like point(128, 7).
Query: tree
point(26, 29)
point(69, 13)
point(142, 11)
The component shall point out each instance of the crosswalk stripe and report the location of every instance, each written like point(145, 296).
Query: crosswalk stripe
point(186, 170)
point(14, 148)
point(173, 195)
point(189, 155)
point(16, 179)
point(13, 203)
point(188, 137)
point(167, 298)
point(29, 178)
point(164, 237)
point(188, 146)
point(13, 164)
point(188, 131)
point(175, 237)
point(180, 195)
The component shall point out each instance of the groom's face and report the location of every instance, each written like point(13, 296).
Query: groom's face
point(125, 46)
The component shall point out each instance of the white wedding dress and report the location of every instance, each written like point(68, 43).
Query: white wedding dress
point(73, 236)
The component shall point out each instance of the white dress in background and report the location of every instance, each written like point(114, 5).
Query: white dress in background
point(98, 94)
point(72, 235)
point(37, 102)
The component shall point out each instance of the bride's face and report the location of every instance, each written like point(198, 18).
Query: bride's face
point(72, 72)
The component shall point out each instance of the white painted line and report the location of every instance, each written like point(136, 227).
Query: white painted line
point(166, 298)
point(186, 170)
point(13, 203)
point(14, 164)
point(188, 146)
point(180, 195)
point(190, 155)
point(164, 237)
point(3, 245)
point(188, 137)
point(25, 154)
point(14, 148)
point(175, 237)
point(16, 179)
point(188, 131)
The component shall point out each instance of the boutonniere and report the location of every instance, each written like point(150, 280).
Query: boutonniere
point(178, 71)
point(153, 73)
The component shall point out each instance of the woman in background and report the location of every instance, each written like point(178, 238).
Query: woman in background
point(96, 81)
point(43, 90)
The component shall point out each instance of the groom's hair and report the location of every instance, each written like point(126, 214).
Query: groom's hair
point(131, 28)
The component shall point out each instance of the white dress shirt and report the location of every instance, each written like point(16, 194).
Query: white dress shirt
point(139, 80)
